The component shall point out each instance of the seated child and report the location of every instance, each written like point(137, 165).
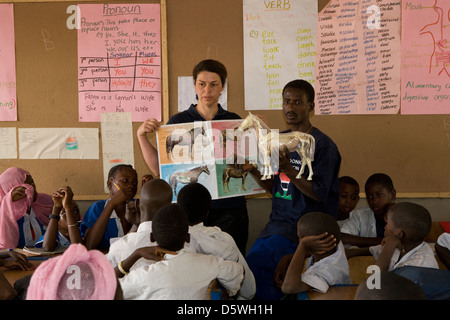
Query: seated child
point(155, 194)
point(365, 227)
point(442, 248)
point(63, 228)
point(23, 212)
point(132, 214)
point(392, 287)
point(407, 225)
point(319, 236)
point(180, 275)
point(195, 200)
point(78, 274)
point(348, 198)
point(105, 219)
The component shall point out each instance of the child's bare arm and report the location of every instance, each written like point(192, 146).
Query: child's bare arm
point(281, 269)
point(293, 281)
point(354, 252)
point(51, 233)
point(150, 253)
point(310, 244)
point(444, 255)
point(72, 225)
point(360, 241)
point(95, 234)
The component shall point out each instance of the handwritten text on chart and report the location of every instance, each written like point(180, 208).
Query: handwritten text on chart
point(119, 66)
point(356, 70)
point(8, 105)
point(279, 46)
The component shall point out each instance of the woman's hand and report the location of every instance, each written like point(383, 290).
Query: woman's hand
point(148, 126)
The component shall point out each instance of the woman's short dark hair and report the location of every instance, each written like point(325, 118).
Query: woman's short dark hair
point(211, 66)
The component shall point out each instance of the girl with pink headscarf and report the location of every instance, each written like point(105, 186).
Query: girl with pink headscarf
point(78, 274)
point(23, 212)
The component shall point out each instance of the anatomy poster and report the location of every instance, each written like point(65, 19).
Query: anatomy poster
point(426, 57)
point(207, 152)
point(8, 100)
point(279, 46)
point(119, 61)
point(358, 58)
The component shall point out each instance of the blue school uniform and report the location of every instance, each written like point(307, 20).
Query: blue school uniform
point(26, 238)
point(113, 228)
point(61, 241)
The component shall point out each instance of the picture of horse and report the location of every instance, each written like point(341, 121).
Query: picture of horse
point(182, 138)
point(185, 177)
point(236, 171)
point(202, 151)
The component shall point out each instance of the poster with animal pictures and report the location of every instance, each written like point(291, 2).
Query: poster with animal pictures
point(212, 153)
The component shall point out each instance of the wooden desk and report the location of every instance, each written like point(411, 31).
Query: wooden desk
point(334, 293)
point(13, 275)
point(358, 268)
point(435, 232)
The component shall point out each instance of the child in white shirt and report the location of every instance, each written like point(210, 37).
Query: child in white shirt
point(195, 200)
point(348, 198)
point(180, 275)
point(442, 248)
point(407, 225)
point(319, 236)
point(154, 194)
point(365, 226)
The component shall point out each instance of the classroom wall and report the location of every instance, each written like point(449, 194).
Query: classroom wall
point(413, 150)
